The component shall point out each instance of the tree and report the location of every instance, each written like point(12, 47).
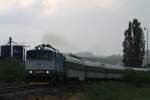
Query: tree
point(134, 45)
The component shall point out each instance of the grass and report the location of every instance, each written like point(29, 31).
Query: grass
point(116, 91)
point(11, 70)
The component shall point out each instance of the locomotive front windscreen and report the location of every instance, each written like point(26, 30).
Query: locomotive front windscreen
point(39, 54)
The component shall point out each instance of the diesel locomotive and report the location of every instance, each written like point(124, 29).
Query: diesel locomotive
point(44, 63)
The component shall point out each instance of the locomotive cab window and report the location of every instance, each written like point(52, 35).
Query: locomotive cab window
point(39, 54)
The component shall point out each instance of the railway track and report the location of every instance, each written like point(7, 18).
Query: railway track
point(11, 90)
point(8, 88)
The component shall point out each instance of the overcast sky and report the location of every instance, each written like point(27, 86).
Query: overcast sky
point(72, 25)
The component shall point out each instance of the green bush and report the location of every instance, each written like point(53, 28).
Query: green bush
point(11, 70)
point(147, 66)
point(114, 90)
point(136, 77)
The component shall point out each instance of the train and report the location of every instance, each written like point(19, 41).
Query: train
point(45, 63)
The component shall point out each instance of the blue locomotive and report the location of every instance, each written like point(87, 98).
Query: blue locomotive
point(44, 63)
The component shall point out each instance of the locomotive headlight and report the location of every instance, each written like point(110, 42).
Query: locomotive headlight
point(30, 72)
point(47, 72)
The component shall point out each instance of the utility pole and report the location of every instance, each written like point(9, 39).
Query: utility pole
point(147, 46)
point(147, 43)
point(10, 44)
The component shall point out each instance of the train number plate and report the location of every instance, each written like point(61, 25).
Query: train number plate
point(39, 72)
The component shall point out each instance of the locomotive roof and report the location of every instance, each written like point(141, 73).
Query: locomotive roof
point(43, 49)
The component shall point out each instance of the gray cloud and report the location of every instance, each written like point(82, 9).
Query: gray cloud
point(54, 39)
point(73, 25)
